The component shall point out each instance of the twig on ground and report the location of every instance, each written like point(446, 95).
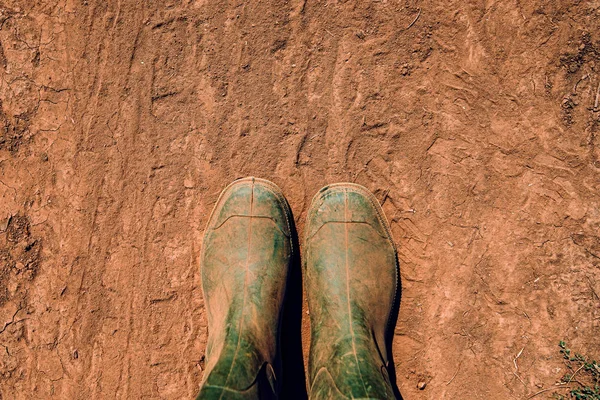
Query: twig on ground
point(579, 81)
point(415, 20)
point(456, 373)
point(516, 358)
point(573, 376)
point(547, 390)
point(385, 196)
point(519, 378)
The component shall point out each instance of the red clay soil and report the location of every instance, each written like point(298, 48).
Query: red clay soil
point(476, 124)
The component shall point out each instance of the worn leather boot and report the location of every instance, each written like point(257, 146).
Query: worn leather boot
point(352, 285)
point(245, 259)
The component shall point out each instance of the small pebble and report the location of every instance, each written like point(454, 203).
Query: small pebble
point(421, 385)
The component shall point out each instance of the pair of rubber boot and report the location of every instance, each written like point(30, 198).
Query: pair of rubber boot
point(350, 274)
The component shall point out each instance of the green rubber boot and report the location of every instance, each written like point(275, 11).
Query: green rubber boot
point(245, 260)
point(351, 281)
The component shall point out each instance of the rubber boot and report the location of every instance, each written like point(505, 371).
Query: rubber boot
point(352, 284)
point(245, 260)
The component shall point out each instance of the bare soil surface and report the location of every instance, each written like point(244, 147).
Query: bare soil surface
point(476, 124)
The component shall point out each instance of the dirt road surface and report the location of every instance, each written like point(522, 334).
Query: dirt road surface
point(476, 124)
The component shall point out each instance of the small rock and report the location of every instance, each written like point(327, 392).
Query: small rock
point(405, 70)
point(188, 183)
point(421, 385)
point(4, 224)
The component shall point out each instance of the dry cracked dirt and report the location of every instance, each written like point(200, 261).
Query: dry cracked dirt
point(476, 123)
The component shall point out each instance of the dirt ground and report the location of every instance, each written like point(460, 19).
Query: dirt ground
point(476, 123)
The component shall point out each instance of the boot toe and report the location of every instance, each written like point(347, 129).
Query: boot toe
point(346, 203)
point(252, 197)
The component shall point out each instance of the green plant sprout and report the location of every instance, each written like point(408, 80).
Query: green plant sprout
point(583, 374)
